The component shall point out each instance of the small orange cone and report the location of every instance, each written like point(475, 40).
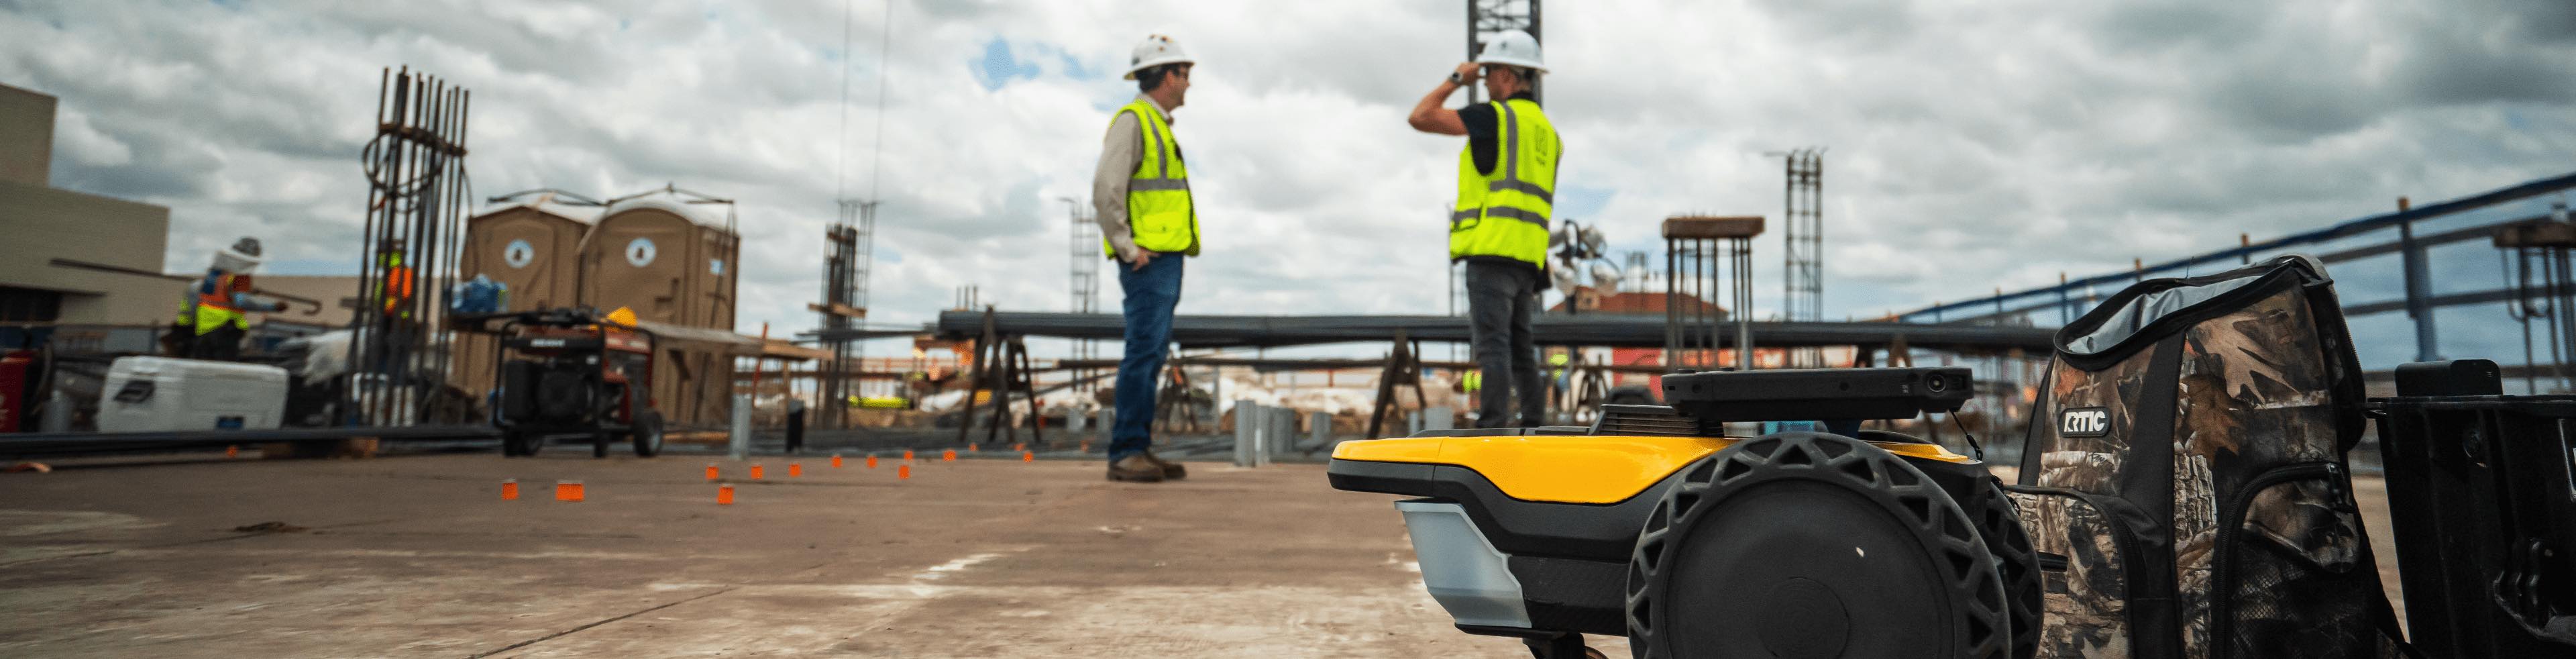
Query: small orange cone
point(872, 461)
point(231, 452)
point(970, 448)
point(949, 455)
point(1026, 456)
point(907, 455)
point(724, 495)
point(568, 491)
point(755, 472)
point(903, 472)
point(510, 490)
point(711, 471)
point(794, 470)
point(1023, 446)
point(836, 461)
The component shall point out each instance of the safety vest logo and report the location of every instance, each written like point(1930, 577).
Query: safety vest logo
point(2084, 422)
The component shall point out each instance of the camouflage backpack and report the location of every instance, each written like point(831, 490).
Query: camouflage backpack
point(2185, 481)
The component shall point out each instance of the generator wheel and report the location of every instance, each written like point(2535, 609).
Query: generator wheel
point(648, 434)
point(2000, 524)
point(1813, 546)
point(599, 443)
point(509, 444)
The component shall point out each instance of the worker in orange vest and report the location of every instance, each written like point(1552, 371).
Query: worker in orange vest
point(216, 318)
point(397, 291)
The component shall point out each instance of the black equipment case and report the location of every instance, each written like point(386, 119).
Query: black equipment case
point(2483, 500)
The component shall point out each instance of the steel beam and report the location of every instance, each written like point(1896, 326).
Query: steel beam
point(1607, 330)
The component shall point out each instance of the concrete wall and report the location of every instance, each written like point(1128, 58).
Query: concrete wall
point(26, 136)
point(43, 223)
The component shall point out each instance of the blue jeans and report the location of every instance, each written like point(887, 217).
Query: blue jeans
point(1151, 295)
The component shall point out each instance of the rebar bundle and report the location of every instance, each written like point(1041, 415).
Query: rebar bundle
point(417, 193)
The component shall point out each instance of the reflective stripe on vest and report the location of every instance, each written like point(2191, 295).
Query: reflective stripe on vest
point(1506, 213)
point(1160, 215)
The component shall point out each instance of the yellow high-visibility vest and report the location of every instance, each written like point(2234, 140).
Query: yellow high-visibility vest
point(1159, 214)
point(1505, 213)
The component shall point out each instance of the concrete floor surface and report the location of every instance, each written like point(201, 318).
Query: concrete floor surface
point(419, 557)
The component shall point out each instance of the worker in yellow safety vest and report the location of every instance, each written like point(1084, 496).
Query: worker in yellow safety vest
point(216, 316)
point(1140, 195)
point(1499, 226)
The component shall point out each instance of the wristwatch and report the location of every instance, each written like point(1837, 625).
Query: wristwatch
point(1455, 80)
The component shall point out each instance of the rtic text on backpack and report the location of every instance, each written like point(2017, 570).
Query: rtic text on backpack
point(2084, 422)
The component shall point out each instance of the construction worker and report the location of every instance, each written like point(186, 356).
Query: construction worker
point(397, 290)
point(1141, 193)
point(218, 319)
point(394, 336)
point(1499, 226)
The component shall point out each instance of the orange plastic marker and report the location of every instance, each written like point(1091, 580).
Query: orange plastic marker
point(724, 495)
point(1023, 446)
point(949, 455)
point(907, 455)
point(232, 452)
point(1086, 446)
point(1026, 456)
point(794, 470)
point(755, 472)
point(970, 448)
point(872, 461)
point(711, 471)
point(510, 490)
point(836, 461)
point(903, 472)
point(568, 491)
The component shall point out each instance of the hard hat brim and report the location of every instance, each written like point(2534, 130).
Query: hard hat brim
point(1513, 61)
point(1151, 63)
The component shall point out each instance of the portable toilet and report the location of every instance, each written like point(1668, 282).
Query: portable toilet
point(534, 248)
point(670, 264)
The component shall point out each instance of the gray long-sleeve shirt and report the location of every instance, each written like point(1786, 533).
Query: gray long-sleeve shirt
point(1120, 150)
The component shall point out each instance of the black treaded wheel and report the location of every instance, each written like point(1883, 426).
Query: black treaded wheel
point(1812, 546)
point(648, 434)
point(599, 440)
point(521, 443)
point(2000, 524)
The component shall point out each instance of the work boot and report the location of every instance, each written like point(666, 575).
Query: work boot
point(1138, 468)
point(1172, 471)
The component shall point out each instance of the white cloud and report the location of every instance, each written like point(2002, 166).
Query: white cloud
point(1972, 145)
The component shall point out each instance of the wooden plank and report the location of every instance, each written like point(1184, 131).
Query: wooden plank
point(842, 310)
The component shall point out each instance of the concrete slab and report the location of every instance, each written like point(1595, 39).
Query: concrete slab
point(418, 557)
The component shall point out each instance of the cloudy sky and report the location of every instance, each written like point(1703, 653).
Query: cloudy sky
point(1972, 144)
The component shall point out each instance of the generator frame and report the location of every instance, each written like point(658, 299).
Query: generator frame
point(620, 368)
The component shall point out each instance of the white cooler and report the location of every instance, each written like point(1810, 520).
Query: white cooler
point(161, 394)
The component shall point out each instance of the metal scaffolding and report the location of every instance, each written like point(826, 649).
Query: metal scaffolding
point(1803, 293)
point(840, 309)
point(1486, 18)
point(417, 194)
point(1699, 252)
point(1083, 270)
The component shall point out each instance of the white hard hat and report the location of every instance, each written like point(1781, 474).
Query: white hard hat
point(242, 257)
point(1513, 48)
point(1156, 50)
